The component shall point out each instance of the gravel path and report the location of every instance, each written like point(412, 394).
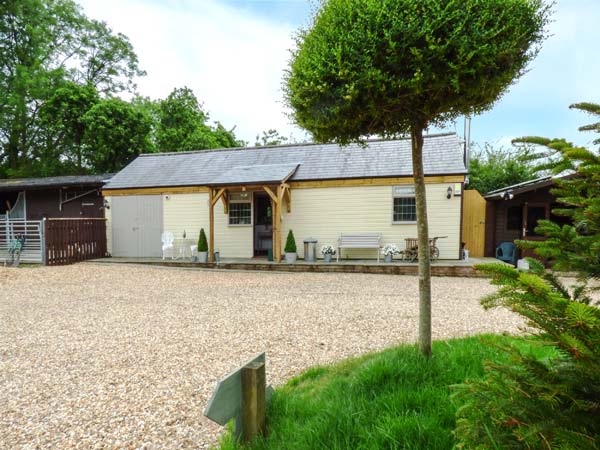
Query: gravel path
point(107, 356)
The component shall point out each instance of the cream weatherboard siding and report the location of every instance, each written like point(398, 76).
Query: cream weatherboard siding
point(320, 213)
point(324, 213)
point(189, 212)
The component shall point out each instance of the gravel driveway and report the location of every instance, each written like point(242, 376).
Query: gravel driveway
point(107, 356)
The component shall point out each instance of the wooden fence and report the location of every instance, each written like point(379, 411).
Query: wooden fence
point(72, 240)
point(13, 229)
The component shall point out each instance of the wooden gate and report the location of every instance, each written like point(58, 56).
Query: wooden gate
point(473, 223)
point(73, 240)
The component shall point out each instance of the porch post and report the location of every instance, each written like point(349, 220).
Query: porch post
point(211, 222)
point(278, 218)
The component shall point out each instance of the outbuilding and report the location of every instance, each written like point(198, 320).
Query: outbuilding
point(71, 196)
point(513, 213)
point(247, 199)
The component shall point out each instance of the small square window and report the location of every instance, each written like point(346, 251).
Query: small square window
point(405, 209)
point(240, 213)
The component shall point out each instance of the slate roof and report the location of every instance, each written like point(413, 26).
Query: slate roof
point(442, 155)
point(19, 184)
point(273, 173)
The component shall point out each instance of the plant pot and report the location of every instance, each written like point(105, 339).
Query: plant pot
point(327, 257)
point(388, 258)
point(203, 257)
point(290, 258)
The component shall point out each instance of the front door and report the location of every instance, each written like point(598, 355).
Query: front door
point(532, 214)
point(263, 224)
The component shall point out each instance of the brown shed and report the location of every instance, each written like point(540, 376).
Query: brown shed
point(513, 212)
point(53, 197)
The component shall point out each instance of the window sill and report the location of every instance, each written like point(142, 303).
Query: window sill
point(240, 225)
point(405, 223)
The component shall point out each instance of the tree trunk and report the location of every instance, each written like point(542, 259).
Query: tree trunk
point(423, 237)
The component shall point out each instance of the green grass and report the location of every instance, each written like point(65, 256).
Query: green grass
point(394, 399)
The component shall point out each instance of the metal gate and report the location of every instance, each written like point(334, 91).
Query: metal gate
point(32, 230)
point(136, 223)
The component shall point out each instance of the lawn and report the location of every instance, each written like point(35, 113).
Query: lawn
point(394, 399)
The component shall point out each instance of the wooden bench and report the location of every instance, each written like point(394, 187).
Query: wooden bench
point(359, 240)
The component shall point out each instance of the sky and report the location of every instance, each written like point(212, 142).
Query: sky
point(233, 53)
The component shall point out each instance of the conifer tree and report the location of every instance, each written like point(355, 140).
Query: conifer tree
point(552, 403)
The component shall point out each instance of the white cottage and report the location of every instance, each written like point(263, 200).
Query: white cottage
point(248, 198)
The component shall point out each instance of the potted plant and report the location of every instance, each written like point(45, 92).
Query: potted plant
point(389, 251)
point(290, 249)
point(202, 247)
point(327, 251)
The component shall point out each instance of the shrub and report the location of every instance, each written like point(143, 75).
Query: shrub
point(202, 242)
point(553, 403)
point(290, 243)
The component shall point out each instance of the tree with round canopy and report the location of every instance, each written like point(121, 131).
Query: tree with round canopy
point(397, 67)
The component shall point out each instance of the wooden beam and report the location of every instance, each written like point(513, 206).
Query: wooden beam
point(218, 195)
point(211, 222)
point(271, 193)
point(225, 200)
point(295, 184)
point(288, 198)
point(254, 384)
point(155, 191)
point(374, 182)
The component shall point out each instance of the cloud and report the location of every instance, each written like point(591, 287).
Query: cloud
point(232, 53)
point(564, 72)
point(232, 59)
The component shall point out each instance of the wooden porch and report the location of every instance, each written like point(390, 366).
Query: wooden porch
point(271, 179)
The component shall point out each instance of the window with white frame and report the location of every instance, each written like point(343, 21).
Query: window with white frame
point(405, 206)
point(240, 208)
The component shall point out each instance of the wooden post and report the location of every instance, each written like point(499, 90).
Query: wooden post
point(279, 214)
point(253, 400)
point(211, 225)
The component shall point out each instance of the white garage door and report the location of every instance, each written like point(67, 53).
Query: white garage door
point(136, 222)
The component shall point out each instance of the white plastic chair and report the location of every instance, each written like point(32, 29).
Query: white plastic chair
point(168, 241)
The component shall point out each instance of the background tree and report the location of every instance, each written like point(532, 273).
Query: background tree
point(270, 137)
point(62, 116)
point(492, 168)
point(553, 403)
point(45, 45)
point(116, 132)
point(183, 125)
point(391, 67)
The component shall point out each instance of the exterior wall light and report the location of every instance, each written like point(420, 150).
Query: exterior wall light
point(449, 193)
